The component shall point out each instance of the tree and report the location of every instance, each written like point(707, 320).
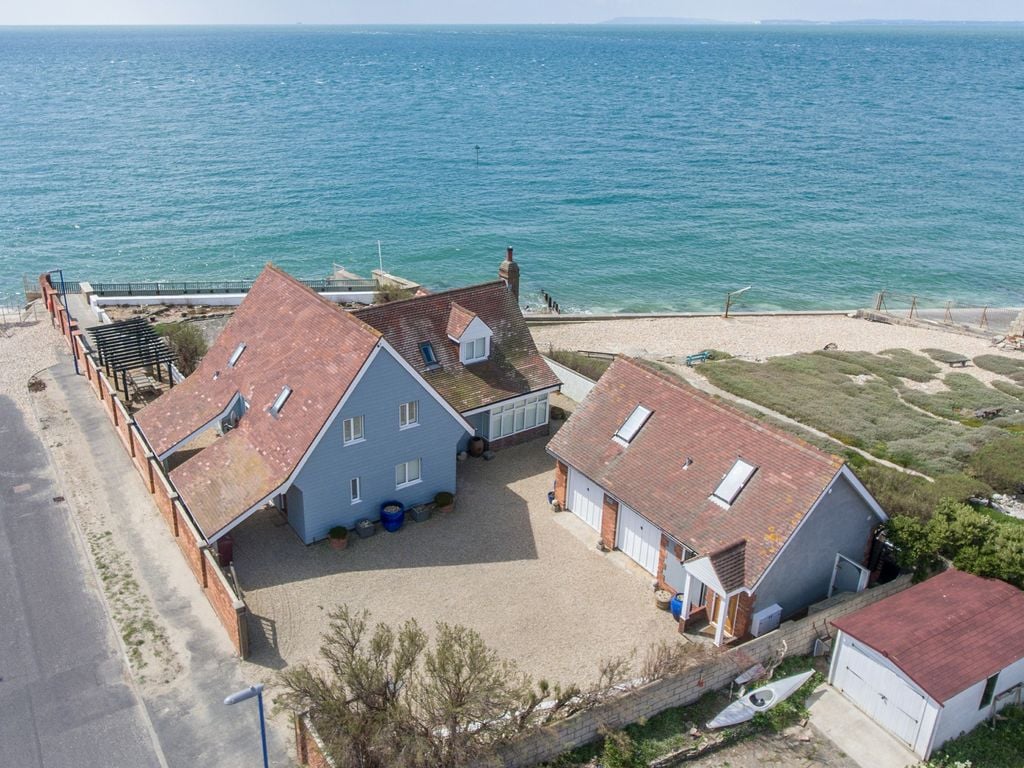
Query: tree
point(1001, 463)
point(186, 342)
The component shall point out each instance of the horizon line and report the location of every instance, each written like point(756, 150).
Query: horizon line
point(624, 21)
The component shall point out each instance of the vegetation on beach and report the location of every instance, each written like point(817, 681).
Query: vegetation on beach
point(1004, 366)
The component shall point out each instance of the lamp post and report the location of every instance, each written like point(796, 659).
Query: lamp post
point(248, 693)
point(67, 314)
point(728, 298)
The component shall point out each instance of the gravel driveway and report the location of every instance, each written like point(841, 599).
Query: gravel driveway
point(531, 582)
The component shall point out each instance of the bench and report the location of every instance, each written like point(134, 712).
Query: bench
point(700, 357)
point(958, 362)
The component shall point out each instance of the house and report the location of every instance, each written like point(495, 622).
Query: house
point(749, 523)
point(301, 405)
point(473, 347)
point(935, 660)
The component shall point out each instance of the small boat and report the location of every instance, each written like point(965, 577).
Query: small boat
point(759, 700)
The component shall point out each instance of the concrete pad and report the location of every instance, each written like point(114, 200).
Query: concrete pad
point(860, 737)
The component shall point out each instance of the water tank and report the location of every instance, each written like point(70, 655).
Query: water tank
point(766, 620)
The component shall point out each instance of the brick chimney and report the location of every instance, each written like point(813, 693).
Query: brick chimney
point(508, 272)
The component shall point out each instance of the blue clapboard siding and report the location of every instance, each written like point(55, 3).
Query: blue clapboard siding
point(841, 522)
point(480, 422)
point(325, 478)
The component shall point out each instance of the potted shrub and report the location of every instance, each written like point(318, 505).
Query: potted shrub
point(365, 528)
point(338, 536)
point(445, 501)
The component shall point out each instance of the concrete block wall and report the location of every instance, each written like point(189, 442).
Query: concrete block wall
point(229, 608)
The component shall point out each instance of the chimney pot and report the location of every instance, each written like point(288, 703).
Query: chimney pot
point(508, 254)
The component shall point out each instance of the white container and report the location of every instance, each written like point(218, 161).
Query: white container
point(766, 620)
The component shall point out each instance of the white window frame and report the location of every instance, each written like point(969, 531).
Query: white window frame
point(518, 415)
point(468, 349)
point(278, 404)
point(733, 482)
point(348, 431)
point(402, 471)
point(355, 490)
point(409, 414)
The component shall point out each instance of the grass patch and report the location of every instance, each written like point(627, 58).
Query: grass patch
point(963, 396)
point(943, 355)
point(591, 367)
point(1004, 366)
point(1007, 388)
point(998, 747)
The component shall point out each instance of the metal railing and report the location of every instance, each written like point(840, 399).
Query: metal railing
point(201, 287)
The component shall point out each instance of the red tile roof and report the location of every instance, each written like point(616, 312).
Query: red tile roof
point(459, 319)
point(947, 633)
point(293, 338)
point(651, 476)
point(514, 368)
point(730, 565)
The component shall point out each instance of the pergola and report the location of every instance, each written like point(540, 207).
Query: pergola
point(131, 344)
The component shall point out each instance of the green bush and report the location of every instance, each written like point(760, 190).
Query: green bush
point(186, 342)
point(1004, 366)
point(903, 494)
point(338, 532)
point(1009, 389)
point(986, 747)
point(943, 355)
point(1000, 463)
point(620, 751)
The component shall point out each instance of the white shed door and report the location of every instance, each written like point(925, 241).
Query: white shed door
point(638, 538)
point(880, 693)
point(586, 499)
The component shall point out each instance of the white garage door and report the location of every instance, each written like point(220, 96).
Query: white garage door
point(638, 538)
point(586, 498)
point(880, 693)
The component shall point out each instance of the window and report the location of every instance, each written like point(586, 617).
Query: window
point(355, 490)
point(427, 350)
point(407, 473)
point(519, 415)
point(734, 481)
point(353, 430)
point(474, 350)
point(990, 690)
point(631, 426)
point(275, 409)
point(235, 355)
point(409, 414)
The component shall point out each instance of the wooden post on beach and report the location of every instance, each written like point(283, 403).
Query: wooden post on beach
point(913, 307)
point(949, 315)
point(983, 323)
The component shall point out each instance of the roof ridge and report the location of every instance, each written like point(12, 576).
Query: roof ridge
point(685, 387)
point(434, 295)
point(326, 302)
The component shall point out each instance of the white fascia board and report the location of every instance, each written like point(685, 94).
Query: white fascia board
point(702, 570)
point(864, 493)
point(193, 435)
point(489, 406)
point(423, 383)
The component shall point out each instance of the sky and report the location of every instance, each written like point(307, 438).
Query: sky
point(487, 11)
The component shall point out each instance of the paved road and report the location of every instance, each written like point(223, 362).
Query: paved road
point(64, 695)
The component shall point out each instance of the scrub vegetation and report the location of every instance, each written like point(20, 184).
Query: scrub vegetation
point(591, 367)
point(998, 746)
point(187, 343)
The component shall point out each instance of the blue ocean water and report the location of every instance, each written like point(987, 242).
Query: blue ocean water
point(631, 168)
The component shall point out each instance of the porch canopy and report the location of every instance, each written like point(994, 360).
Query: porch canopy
point(721, 573)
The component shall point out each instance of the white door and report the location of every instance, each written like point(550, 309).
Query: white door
point(638, 538)
point(586, 499)
point(880, 693)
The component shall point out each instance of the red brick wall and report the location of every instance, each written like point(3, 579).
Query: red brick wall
point(609, 522)
point(306, 747)
point(744, 612)
point(229, 609)
point(561, 481)
point(662, 556)
point(519, 437)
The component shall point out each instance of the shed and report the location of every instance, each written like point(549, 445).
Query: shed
point(932, 662)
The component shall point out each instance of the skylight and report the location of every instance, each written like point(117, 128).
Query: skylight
point(427, 350)
point(236, 354)
point(280, 401)
point(633, 424)
point(734, 481)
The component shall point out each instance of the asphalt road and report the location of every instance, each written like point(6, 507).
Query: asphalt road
point(64, 695)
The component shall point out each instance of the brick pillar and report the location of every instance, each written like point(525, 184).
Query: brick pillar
point(744, 612)
point(662, 556)
point(609, 522)
point(561, 482)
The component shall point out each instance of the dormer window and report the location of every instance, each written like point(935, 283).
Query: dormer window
point(236, 354)
point(735, 480)
point(427, 350)
point(631, 426)
point(275, 409)
point(474, 350)
point(470, 333)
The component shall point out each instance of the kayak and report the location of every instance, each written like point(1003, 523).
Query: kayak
point(759, 700)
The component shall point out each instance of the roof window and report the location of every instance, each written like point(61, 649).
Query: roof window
point(427, 350)
point(632, 425)
point(236, 354)
point(275, 409)
point(734, 481)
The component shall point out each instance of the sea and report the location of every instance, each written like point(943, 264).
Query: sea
point(632, 169)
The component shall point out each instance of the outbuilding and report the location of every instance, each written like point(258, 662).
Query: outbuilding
point(932, 662)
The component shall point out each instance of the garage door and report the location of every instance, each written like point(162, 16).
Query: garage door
point(638, 538)
point(586, 498)
point(880, 693)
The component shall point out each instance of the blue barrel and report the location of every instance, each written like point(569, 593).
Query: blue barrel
point(392, 515)
point(676, 606)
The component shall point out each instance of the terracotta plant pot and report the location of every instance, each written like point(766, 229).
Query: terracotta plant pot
point(445, 501)
point(476, 446)
point(338, 536)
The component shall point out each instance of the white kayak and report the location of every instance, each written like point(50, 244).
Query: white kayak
point(759, 700)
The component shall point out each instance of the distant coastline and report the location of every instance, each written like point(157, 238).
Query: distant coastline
point(683, 21)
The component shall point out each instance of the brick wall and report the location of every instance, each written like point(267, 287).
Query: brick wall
point(228, 607)
point(609, 522)
point(519, 437)
point(308, 746)
point(561, 481)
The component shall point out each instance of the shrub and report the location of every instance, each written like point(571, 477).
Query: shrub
point(965, 395)
point(444, 499)
point(1004, 366)
point(338, 532)
point(986, 746)
point(1000, 463)
point(942, 355)
point(903, 494)
point(620, 751)
point(186, 342)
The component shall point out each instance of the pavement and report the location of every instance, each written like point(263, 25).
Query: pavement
point(861, 738)
point(189, 719)
point(66, 697)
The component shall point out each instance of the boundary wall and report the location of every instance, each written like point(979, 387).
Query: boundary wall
point(231, 610)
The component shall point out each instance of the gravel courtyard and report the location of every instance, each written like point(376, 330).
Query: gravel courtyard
point(531, 582)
